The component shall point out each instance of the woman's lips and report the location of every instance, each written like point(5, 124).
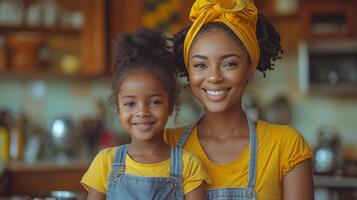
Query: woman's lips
point(216, 94)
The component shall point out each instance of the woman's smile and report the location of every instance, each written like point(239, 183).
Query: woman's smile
point(216, 94)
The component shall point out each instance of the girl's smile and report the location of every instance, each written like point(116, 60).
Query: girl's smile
point(143, 105)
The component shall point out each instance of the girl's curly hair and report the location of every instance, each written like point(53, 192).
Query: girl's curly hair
point(145, 49)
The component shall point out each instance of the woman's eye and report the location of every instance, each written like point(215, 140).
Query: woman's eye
point(199, 66)
point(230, 64)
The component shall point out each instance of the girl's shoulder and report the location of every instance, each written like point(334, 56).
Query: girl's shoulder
point(106, 154)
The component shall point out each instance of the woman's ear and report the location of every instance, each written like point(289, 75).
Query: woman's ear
point(251, 70)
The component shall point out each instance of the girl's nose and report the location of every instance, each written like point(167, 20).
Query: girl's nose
point(142, 112)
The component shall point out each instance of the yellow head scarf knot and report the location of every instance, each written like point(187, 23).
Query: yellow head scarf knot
point(239, 15)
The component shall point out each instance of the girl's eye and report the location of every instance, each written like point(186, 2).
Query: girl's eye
point(230, 64)
point(129, 104)
point(155, 102)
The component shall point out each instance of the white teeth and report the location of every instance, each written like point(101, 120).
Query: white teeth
point(216, 92)
point(143, 124)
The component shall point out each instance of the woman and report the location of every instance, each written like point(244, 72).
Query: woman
point(244, 159)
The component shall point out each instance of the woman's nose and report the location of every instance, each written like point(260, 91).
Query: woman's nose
point(214, 74)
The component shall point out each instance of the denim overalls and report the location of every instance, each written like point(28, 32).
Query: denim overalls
point(129, 187)
point(234, 193)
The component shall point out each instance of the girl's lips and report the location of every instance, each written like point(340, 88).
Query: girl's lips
point(144, 126)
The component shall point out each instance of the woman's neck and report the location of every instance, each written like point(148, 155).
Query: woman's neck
point(224, 124)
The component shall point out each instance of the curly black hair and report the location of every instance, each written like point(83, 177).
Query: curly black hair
point(268, 39)
point(145, 49)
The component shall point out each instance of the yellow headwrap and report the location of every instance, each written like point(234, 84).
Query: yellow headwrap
point(239, 15)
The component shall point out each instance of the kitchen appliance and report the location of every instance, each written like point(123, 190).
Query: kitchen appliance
point(328, 67)
point(328, 157)
point(63, 137)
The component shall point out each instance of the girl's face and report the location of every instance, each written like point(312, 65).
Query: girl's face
point(218, 68)
point(143, 106)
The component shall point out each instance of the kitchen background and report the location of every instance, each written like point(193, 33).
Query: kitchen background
point(55, 81)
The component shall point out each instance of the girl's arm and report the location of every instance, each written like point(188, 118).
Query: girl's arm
point(298, 184)
point(198, 193)
point(95, 195)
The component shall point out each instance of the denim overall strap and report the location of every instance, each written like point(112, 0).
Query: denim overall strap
point(176, 171)
point(184, 136)
point(120, 154)
point(253, 154)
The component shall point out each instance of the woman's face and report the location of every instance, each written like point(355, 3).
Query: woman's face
point(219, 68)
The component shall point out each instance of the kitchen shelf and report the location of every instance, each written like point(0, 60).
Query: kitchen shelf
point(51, 75)
point(52, 30)
point(335, 181)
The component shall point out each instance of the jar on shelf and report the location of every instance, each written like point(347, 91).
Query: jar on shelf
point(3, 55)
point(28, 51)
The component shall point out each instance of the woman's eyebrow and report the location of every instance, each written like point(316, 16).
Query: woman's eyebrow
point(229, 55)
point(200, 56)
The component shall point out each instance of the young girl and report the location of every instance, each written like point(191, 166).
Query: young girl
point(245, 159)
point(144, 91)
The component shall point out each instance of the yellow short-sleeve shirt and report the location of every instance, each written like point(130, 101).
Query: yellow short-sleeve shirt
point(97, 175)
point(280, 148)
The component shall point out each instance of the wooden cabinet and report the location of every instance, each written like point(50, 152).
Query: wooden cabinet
point(42, 178)
point(328, 19)
point(73, 43)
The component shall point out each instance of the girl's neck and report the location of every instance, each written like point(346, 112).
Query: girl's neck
point(224, 124)
point(149, 151)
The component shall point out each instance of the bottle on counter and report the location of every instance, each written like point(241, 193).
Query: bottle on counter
point(17, 138)
point(4, 145)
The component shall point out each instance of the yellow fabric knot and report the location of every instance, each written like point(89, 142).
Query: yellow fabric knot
point(239, 15)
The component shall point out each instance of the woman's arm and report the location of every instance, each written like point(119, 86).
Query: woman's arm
point(95, 195)
point(198, 193)
point(298, 184)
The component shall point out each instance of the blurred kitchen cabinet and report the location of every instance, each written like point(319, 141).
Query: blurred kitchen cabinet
point(127, 16)
point(328, 19)
point(62, 37)
point(42, 178)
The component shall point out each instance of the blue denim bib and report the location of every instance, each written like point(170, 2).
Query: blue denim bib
point(247, 193)
point(125, 186)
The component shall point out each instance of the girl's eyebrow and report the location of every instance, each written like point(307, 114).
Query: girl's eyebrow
point(127, 97)
point(133, 97)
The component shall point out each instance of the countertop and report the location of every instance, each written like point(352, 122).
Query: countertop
point(21, 178)
point(335, 181)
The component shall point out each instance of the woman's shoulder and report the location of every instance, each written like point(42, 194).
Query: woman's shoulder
point(172, 135)
point(276, 131)
point(188, 156)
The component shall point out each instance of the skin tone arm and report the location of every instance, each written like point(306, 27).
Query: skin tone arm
point(198, 193)
point(95, 195)
point(298, 184)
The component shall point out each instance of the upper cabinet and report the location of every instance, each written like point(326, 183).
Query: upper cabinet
point(328, 19)
point(46, 37)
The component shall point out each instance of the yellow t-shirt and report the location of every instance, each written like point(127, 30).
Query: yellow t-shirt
point(280, 148)
point(97, 175)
